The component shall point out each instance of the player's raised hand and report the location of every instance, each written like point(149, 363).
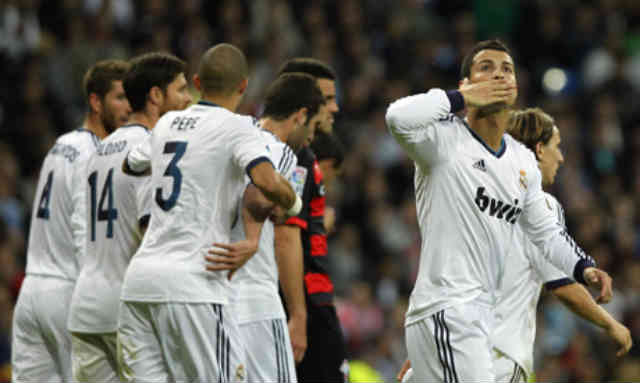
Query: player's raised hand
point(230, 256)
point(485, 93)
point(622, 336)
point(600, 280)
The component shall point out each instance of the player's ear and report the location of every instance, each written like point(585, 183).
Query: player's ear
point(196, 82)
point(539, 149)
point(95, 103)
point(302, 113)
point(243, 86)
point(156, 96)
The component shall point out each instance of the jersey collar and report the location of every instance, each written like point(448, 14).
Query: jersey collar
point(207, 103)
point(134, 125)
point(497, 154)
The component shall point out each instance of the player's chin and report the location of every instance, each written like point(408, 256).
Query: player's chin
point(491, 109)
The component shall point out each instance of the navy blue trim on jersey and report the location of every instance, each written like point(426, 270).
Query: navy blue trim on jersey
point(503, 144)
point(94, 137)
point(257, 162)
point(208, 103)
point(456, 100)
point(578, 271)
point(144, 220)
point(552, 285)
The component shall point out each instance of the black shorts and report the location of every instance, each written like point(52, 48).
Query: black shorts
point(325, 347)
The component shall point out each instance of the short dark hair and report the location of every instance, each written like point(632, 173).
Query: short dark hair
point(327, 146)
point(308, 65)
point(149, 70)
point(531, 126)
point(100, 77)
point(467, 62)
point(222, 69)
point(291, 92)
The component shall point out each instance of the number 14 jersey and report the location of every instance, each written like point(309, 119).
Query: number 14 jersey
point(115, 204)
point(199, 158)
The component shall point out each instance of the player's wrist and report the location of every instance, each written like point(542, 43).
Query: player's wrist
point(296, 207)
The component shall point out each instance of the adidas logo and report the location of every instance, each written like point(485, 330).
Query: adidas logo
point(480, 165)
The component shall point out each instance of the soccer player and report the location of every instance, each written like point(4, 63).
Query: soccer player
point(173, 322)
point(526, 272)
point(41, 349)
point(329, 152)
point(290, 112)
point(325, 357)
point(116, 216)
point(474, 184)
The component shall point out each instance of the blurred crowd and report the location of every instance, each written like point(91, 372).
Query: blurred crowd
point(578, 60)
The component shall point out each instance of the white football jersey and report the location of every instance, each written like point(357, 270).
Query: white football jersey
point(525, 274)
point(199, 158)
point(114, 209)
point(469, 200)
point(57, 233)
point(255, 285)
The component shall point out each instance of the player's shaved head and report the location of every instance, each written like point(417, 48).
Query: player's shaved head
point(222, 70)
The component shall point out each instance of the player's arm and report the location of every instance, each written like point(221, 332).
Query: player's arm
point(255, 209)
point(580, 302)
point(289, 256)
point(554, 242)
point(250, 152)
point(275, 187)
point(138, 160)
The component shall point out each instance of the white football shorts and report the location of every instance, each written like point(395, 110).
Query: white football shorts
point(452, 345)
point(268, 351)
point(41, 344)
point(94, 357)
point(162, 342)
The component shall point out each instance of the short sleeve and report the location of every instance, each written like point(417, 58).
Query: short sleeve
point(248, 147)
point(139, 158)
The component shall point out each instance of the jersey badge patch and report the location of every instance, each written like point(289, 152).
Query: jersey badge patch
point(298, 179)
point(523, 179)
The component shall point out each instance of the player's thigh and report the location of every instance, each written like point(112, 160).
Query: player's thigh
point(451, 345)
point(41, 342)
point(268, 350)
point(94, 357)
point(506, 370)
point(30, 357)
point(200, 341)
point(139, 352)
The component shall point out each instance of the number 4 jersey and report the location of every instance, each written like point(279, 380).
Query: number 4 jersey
point(199, 158)
point(116, 205)
point(56, 236)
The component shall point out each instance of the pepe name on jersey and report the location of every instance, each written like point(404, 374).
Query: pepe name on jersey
point(184, 123)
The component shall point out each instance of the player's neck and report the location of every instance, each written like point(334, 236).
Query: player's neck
point(229, 103)
point(145, 118)
point(274, 127)
point(490, 128)
point(93, 124)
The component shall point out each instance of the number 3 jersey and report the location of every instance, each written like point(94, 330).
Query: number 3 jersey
point(115, 205)
point(56, 237)
point(199, 158)
point(469, 199)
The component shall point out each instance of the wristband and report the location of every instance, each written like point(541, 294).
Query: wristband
point(456, 100)
point(296, 208)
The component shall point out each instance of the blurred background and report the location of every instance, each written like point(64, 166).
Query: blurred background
point(578, 60)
